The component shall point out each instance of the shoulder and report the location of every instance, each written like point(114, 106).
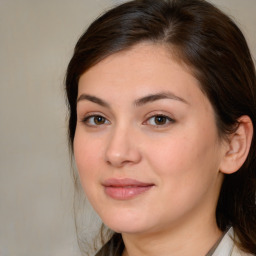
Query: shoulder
point(227, 246)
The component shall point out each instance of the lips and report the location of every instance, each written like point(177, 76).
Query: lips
point(125, 189)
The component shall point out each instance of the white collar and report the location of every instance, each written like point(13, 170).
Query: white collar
point(227, 246)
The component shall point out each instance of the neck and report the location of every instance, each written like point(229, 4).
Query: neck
point(189, 240)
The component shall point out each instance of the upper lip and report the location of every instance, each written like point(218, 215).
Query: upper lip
point(125, 182)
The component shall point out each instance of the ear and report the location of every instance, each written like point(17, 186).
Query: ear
point(238, 146)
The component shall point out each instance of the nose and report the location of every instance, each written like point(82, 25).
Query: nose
point(122, 148)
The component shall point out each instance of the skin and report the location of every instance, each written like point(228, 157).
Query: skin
point(181, 156)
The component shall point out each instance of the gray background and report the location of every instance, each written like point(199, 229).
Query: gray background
point(36, 43)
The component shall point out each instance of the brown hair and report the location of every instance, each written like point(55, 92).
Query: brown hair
point(211, 44)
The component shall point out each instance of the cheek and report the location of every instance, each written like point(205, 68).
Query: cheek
point(169, 154)
point(88, 157)
point(187, 170)
point(185, 158)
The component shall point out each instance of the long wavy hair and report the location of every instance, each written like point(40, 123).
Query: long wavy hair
point(209, 42)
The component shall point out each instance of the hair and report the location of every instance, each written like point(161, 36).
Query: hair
point(211, 44)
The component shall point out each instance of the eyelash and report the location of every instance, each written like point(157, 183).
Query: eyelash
point(92, 118)
point(166, 118)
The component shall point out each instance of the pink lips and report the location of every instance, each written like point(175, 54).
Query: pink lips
point(124, 189)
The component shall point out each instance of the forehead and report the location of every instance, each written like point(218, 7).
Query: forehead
point(144, 64)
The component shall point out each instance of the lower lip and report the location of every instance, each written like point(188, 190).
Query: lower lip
point(125, 193)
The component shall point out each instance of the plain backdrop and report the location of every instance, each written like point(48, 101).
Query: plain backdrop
point(36, 43)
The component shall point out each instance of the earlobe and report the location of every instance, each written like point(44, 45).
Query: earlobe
point(238, 146)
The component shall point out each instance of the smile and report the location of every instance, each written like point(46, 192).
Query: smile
point(125, 189)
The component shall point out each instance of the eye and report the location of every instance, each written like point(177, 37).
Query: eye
point(159, 120)
point(95, 120)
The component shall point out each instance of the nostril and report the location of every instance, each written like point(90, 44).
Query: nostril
point(121, 149)
point(128, 155)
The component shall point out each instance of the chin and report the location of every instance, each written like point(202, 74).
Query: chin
point(126, 228)
point(123, 223)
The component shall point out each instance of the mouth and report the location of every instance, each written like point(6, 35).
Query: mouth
point(125, 189)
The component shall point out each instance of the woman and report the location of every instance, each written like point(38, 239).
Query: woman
point(162, 99)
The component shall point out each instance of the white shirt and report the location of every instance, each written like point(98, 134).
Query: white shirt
point(227, 246)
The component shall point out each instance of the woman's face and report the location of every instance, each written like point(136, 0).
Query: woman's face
point(146, 144)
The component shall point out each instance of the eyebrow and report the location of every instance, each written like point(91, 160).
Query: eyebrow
point(93, 99)
point(158, 96)
point(139, 102)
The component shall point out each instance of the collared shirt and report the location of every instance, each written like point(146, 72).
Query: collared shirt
point(224, 247)
point(227, 246)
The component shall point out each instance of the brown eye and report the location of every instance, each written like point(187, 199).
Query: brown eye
point(95, 120)
point(160, 120)
point(98, 120)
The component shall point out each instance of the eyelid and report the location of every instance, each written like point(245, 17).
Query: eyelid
point(93, 115)
point(157, 114)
